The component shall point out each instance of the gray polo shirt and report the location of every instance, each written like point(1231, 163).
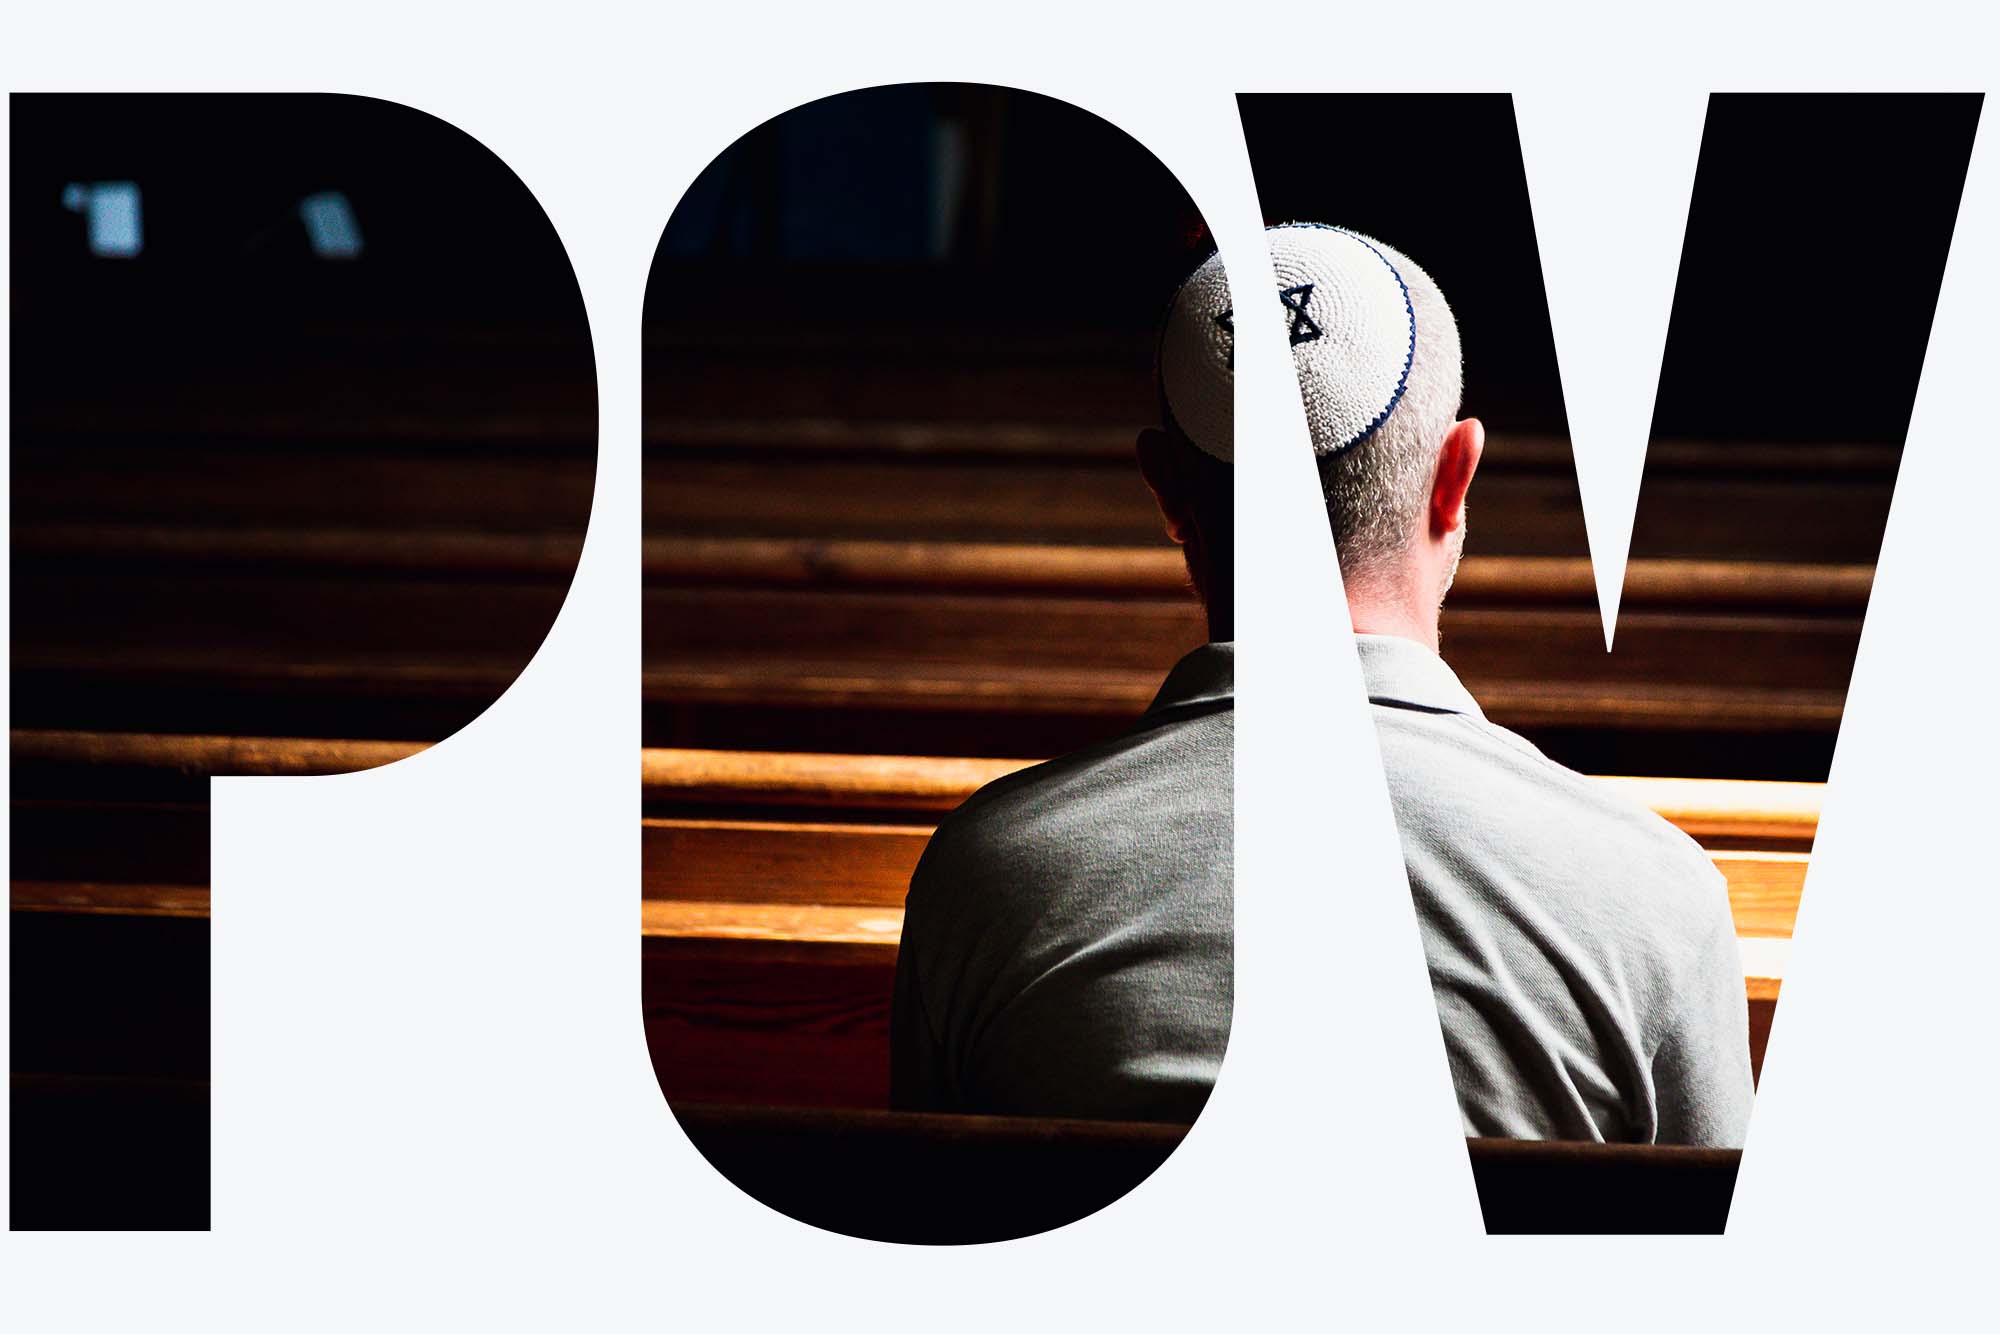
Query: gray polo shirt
point(1067, 939)
point(1580, 947)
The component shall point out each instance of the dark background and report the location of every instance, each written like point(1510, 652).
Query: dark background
point(450, 234)
point(950, 209)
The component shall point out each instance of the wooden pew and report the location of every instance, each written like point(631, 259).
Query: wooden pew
point(859, 539)
point(863, 540)
point(773, 892)
point(1556, 1187)
point(359, 528)
point(754, 432)
point(838, 643)
point(917, 1178)
point(833, 568)
point(959, 561)
point(152, 624)
point(772, 884)
point(862, 634)
point(923, 1179)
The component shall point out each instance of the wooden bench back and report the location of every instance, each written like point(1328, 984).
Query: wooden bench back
point(905, 1177)
point(772, 884)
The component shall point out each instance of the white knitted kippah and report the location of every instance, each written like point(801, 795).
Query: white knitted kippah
point(1353, 330)
point(1198, 361)
point(1348, 317)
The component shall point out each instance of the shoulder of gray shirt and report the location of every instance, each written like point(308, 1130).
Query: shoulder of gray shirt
point(1080, 805)
point(1459, 779)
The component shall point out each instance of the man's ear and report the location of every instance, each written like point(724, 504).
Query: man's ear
point(1160, 466)
point(1458, 459)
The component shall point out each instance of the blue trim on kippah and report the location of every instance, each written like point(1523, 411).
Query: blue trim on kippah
point(1409, 360)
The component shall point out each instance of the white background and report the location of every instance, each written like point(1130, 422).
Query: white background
point(433, 1105)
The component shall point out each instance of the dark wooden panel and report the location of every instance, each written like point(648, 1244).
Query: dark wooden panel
point(378, 587)
point(1670, 670)
point(763, 861)
point(81, 840)
point(1763, 1008)
point(937, 1180)
point(1005, 499)
point(912, 725)
point(740, 1029)
point(932, 1179)
point(807, 595)
point(109, 994)
point(169, 618)
point(96, 1153)
point(1025, 637)
point(268, 481)
point(1534, 1187)
point(906, 476)
point(1804, 656)
point(1049, 395)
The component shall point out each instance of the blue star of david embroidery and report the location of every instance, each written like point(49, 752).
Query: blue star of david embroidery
point(1296, 299)
point(1227, 319)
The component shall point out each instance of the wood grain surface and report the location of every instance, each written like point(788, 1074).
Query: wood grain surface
point(772, 883)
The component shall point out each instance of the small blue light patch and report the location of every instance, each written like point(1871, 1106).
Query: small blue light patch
point(112, 227)
point(330, 225)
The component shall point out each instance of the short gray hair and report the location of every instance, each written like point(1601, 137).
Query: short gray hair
point(1377, 490)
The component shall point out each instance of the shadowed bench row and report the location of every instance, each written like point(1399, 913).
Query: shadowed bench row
point(911, 1177)
point(773, 889)
point(739, 628)
point(831, 564)
point(850, 547)
point(871, 644)
point(772, 886)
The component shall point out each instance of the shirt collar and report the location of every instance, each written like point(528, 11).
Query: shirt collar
point(1405, 674)
point(1205, 676)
